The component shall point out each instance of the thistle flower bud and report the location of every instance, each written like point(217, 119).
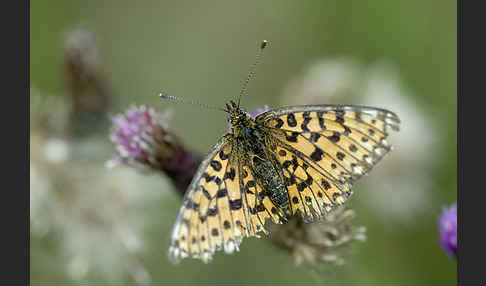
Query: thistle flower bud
point(448, 230)
point(318, 242)
point(142, 137)
point(85, 80)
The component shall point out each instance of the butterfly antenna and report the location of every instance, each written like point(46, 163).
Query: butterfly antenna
point(251, 73)
point(192, 102)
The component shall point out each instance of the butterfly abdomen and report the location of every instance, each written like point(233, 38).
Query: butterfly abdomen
point(273, 186)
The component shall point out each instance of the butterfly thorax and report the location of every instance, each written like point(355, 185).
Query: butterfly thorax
point(251, 141)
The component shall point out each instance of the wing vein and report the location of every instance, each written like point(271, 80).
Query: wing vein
point(226, 187)
point(249, 222)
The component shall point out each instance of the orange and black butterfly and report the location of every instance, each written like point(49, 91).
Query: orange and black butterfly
point(297, 160)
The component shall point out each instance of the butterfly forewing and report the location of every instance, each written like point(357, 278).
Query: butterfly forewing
point(317, 152)
point(206, 219)
point(321, 150)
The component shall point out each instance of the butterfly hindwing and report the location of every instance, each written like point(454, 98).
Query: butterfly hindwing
point(224, 203)
point(205, 221)
point(260, 207)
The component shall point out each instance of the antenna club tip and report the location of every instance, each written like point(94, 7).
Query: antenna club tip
point(264, 44)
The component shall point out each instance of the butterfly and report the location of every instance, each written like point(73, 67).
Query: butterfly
point(297, 160)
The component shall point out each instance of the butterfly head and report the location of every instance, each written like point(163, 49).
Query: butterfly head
point(237, 116)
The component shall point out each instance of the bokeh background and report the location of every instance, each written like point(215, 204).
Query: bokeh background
point(93, 225)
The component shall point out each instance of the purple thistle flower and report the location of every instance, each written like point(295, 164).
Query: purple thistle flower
point(448, 230)
point(253, 115)
point(134, 134)
point(142, 137)
point(259, 111)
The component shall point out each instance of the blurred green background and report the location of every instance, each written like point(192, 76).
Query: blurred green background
point(202, 50)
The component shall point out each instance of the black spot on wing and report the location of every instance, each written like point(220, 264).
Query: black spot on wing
point(230, 174)
point(216, 165)
point(304, 124)
point(222, 155)
point(309, 180)
point(340, 155)
point(340, 112)
point(301, 186)
point(315, 137)
point(325, 184)
point(286, 164)
point(347, 130)
point(208, 178)
point(335, 196)
point(317, 154)
point(321, 124)
point(260, 208)
point(292, 137)
point(320, 115)
point(339, 119)
point(291, 120)
point(279, 123)
point(226, 224)
point(335, 137)
point(221, 193)
point(295, 163)
point(244, 174)
point(235, 204)
point(212, 211)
